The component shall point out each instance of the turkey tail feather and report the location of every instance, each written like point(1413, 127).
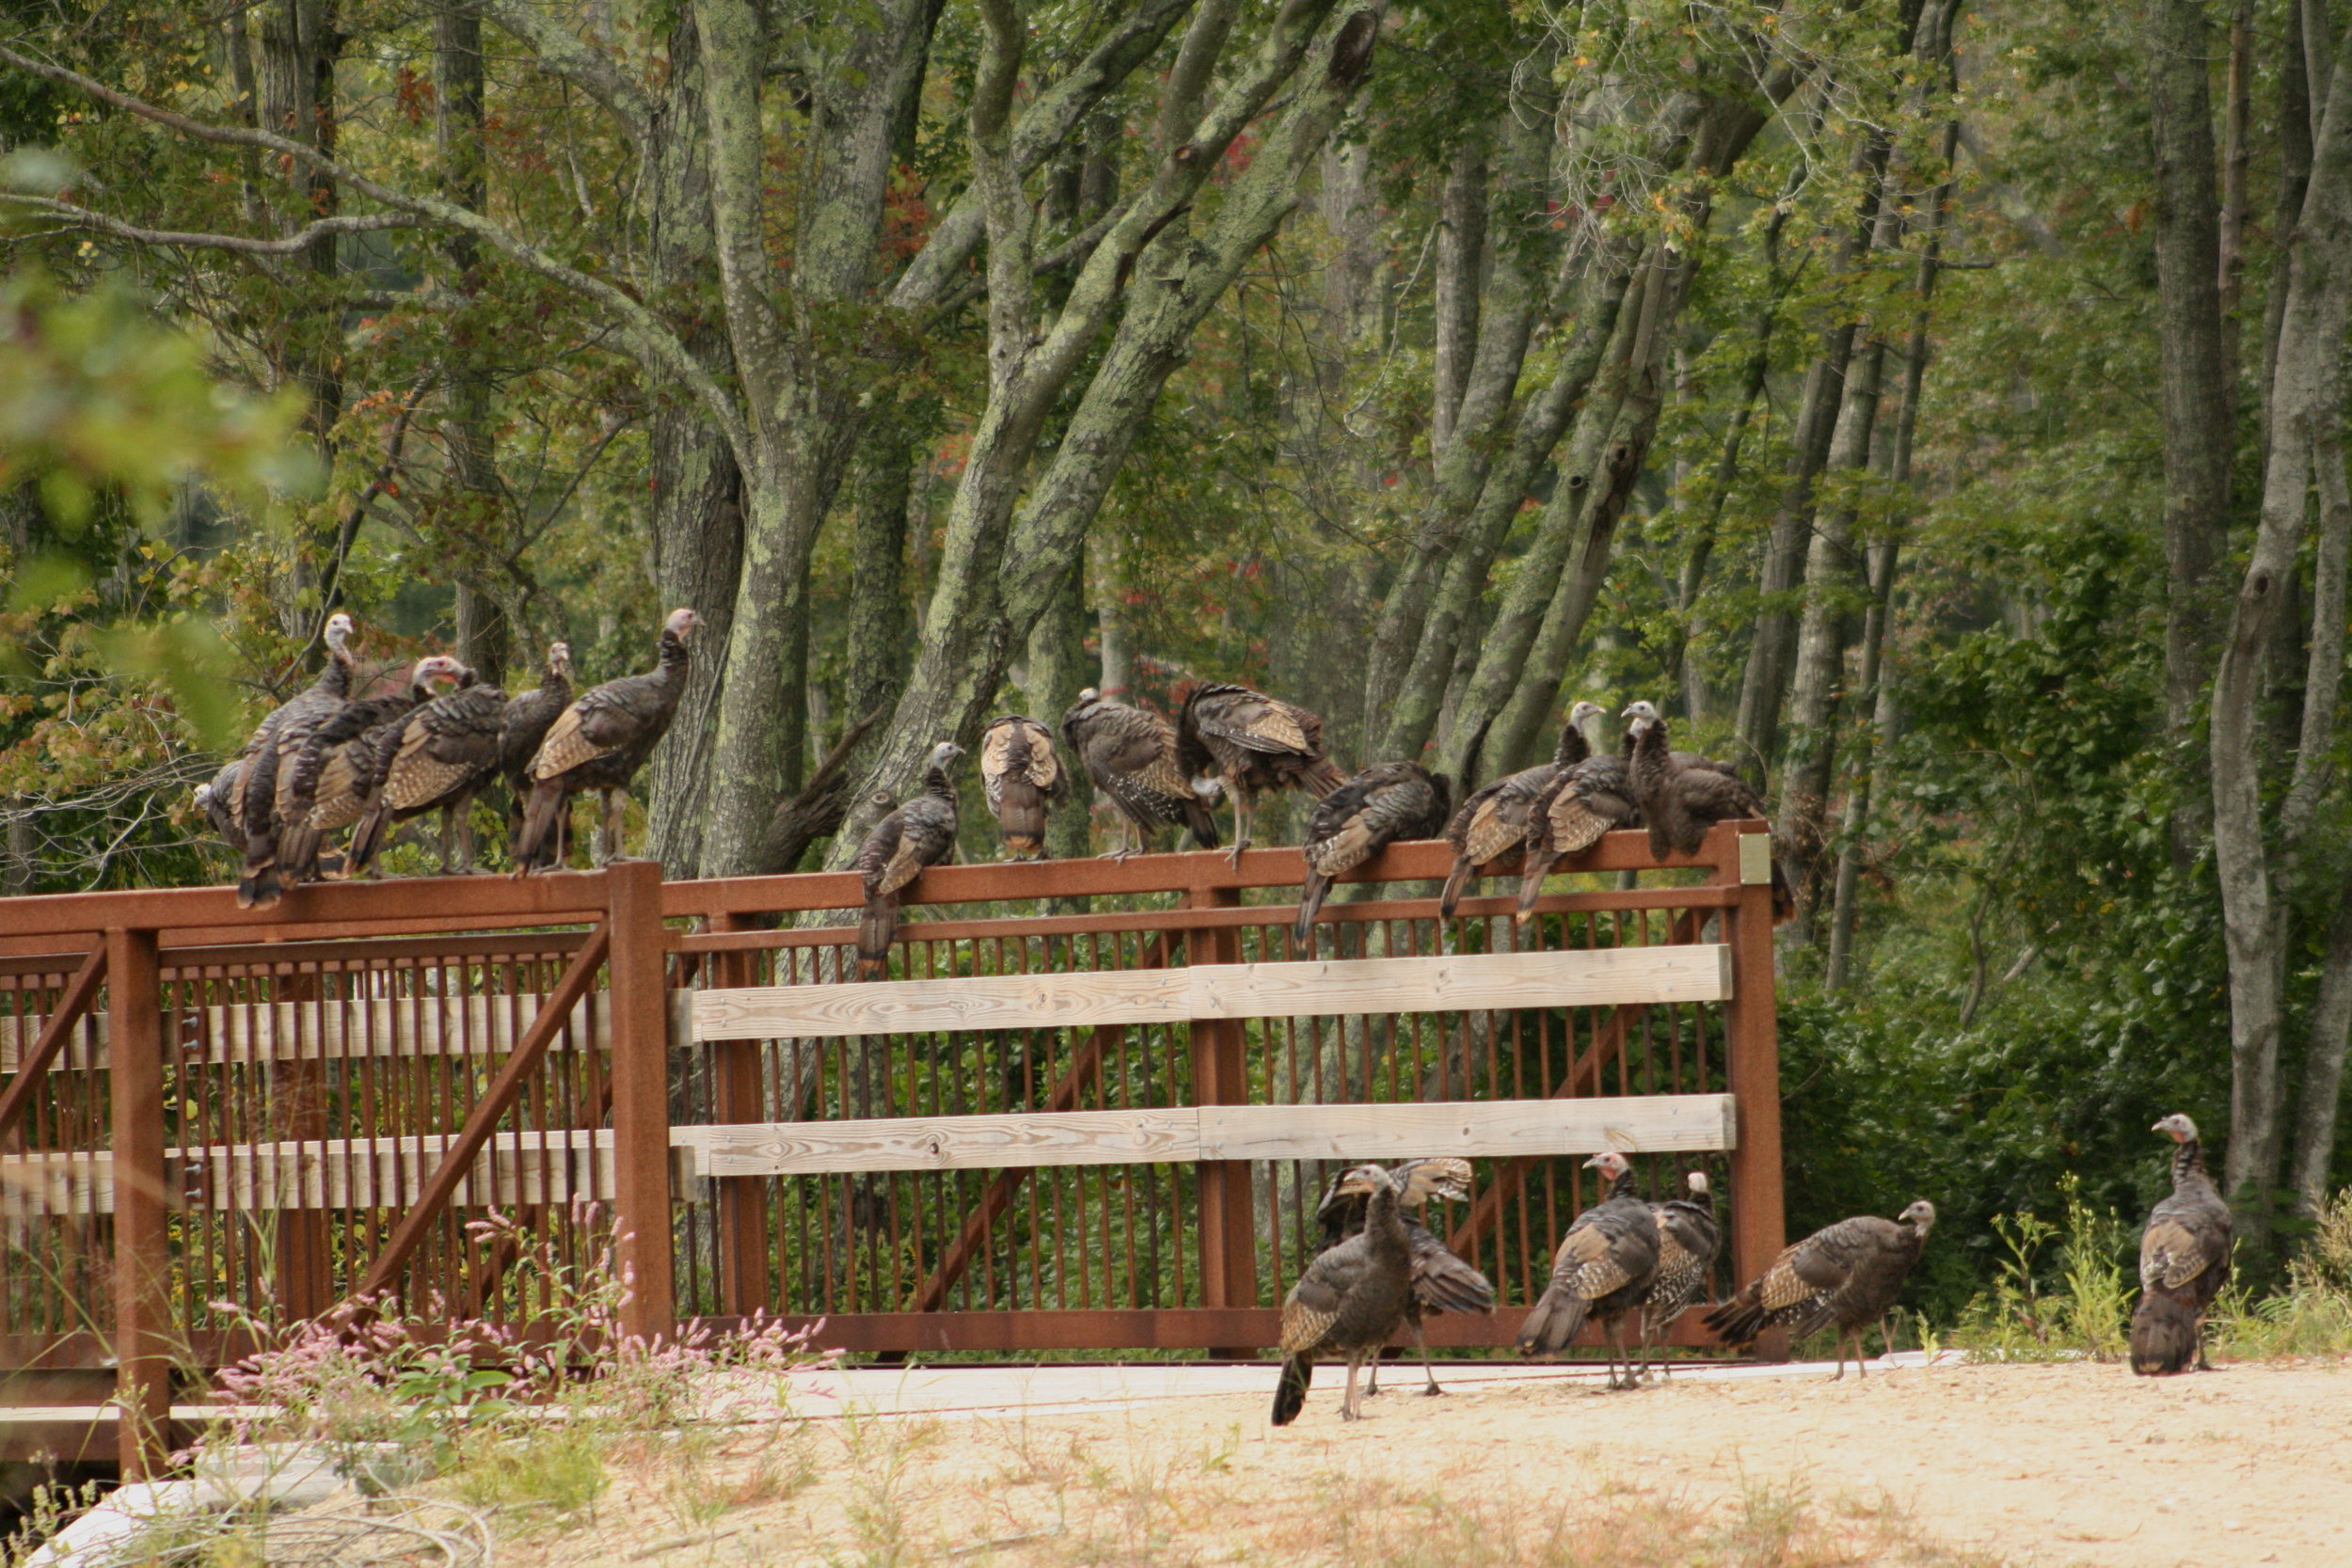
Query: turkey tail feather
point(1203, 826)
point(1290, 1395)
point(1737, 1322)
point(1552, 1322)
point(874, 931)
point(1022, 814)
point(1323, 777)
point(1310, 895)
point(2164, 1336)
point(257, 889)
point(535, 845)
point(367, 839)
point(1532, 885)
point(1455, 880)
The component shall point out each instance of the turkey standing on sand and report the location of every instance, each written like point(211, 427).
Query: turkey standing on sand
point(1130, 753)
point(1493, 821)
point(1250, 741)
point(2184, 1261)
point(1846, 1275)
point(1687, 1240)
point(1603, 1270)
point(1350, 1299)
point(1356, 821)
point(1442, 1282)
point(439, 756)
point(272, 751)
point(920, 832)
point(332, 772)
point(525, 723)
point(1022, 775)
point(599, 742)
point(1583, 801)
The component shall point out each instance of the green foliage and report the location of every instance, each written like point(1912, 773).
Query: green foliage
point(2311, 1313)
point(2078, 1304)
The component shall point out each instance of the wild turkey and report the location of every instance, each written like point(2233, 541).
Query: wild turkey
point(1493, 821)
point(269, 763)
point(921, 833)
point(526, 721)
point(331, 773)
point(1356, 821)
point(1603, 1270)
point(1581, 802)
point(1687, 1240)
point(2184, 1261)
point(1681, 796)
point(1251, 741)
point(1131, 755)
point(1442, 1282)
point(1022, 775)
point(441, 755)
point(1846, 1275)
point(218, 800)
point(1350, 1299)
point(599, 742)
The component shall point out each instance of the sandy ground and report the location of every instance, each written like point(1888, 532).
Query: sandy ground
point(2076, 1464)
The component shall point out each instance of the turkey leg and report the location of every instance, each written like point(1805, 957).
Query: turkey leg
point(1241, 826)
point(1352, 1407)
point(1428, 1369)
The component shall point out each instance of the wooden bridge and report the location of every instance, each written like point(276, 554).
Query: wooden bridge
point(1057, 1132)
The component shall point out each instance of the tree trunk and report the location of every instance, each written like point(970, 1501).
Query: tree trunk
point(1461, 257)
point(881, 622)
point(2194, 380)
point(1058, 669)
point(2306, 397)
point(2331, 1009)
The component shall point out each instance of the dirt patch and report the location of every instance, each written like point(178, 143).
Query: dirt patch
point(2022, 1465)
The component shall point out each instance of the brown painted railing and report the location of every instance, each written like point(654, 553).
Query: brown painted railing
point(283, 1108)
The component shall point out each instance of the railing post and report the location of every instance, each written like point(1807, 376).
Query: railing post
point(641, 1094)
point(736, 1082)
point(1229, 1251)
point(142, 1264)
point(1752, 1067)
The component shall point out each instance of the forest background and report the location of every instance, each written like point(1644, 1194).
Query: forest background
point(1934, 406)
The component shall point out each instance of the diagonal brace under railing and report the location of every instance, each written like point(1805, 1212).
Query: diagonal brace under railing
point(33, 1071)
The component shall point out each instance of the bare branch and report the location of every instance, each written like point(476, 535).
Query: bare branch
point(652, 344)
point(564, 54)
point(82, 217)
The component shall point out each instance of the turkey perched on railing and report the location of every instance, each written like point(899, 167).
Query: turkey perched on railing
point(2184, 1261)
point(1493, 821)
point(1681, 795)
point(1381, 804)
point(1687, 1240)
point(1442, 1282)
point(525, 723)
point(1023, 778)
point(217, 799)
point(1602, 1271)
point(1581, 801)
point(1350, 1299)
point(437, 757)
point(1846, 1274)
point(1249, 742)
point(599, 742)
point(332, 773)
point(269, 763)
point(1130, 753)
point(921, 833)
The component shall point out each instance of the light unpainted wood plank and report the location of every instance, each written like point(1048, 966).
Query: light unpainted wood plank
point(1482, 981)
point(1637, 1124)
point(943, 1143)
point(1651, 1123)
point(339, 1030)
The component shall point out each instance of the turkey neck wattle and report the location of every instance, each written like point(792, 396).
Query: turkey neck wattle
point(2188, 1163)
point(1652, 759)
point(1384, 1226)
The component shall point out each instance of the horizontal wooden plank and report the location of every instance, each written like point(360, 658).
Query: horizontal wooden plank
point(343, 1030)
point(1182, 1136)
point(1698, 972)
point(336, 1173)
point(1473, 1129)
point(943, 1143)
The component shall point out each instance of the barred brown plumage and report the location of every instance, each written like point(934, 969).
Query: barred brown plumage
point(275, 744)
point(1581, 801)
point(920, 832)
point(2184, 1261)
point(522, 728)
point(1845, 1274)
point(439, 756)
point(1130, 753)
point(1350, 1298)
point(1602, 1270)
point(598, 742)
point(1493, 820)
point(1249, 742)
point(1022, 776)
point(1687, 1240)
point(329, 777)
point(1356, 821)
point(1442, 1282)
point(1681, 796)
